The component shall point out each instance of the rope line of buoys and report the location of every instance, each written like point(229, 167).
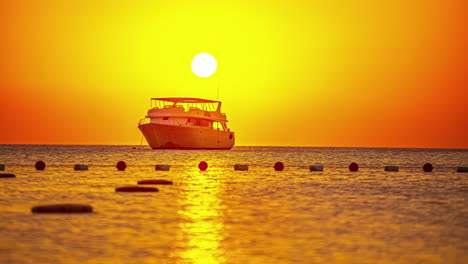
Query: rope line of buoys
point(63, 208)
point(203, 166)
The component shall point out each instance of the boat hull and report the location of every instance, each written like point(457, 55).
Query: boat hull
point(163, 136)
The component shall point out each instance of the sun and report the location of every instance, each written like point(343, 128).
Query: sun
point(204, 65)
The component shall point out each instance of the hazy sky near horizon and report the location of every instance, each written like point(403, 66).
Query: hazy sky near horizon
point(291, 73)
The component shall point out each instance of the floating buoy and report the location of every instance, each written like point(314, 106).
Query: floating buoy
point(279, 166)
point(63, 208)
point(81, 167)
point(158, 181)
point(7, 175)
point(121, 165)
point(462, 169)
point(2, 167)
point(162, 167)
point(40, 165)
point(241, 167)
point(136, 189)
point(427, 167)
point(316, 168)
point(391, 168)
point(353, 166)
point(203, 166)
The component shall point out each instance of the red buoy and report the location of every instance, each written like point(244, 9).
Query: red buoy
point(427, 167)
point(353, 166)
point(279, 166)
point(203, 166)
point(121, 165)
point(40, 165)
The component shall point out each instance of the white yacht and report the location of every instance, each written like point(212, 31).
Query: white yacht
point(186, 123)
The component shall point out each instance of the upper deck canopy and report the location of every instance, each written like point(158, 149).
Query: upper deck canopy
point(185, 100)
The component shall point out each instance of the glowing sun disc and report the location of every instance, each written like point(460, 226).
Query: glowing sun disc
point(204, 65)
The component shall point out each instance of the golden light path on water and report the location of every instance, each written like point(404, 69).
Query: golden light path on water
point(202, 231)
point(226, 216)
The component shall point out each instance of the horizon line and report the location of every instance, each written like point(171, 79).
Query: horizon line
point(277, 146)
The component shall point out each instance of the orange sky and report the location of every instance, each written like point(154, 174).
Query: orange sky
point(292, 73)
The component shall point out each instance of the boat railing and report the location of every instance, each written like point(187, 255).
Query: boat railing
point(144, 121)
point(179, 109)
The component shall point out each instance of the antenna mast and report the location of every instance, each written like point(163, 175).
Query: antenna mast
point(217, 91)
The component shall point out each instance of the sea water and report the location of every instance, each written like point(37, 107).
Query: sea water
point(227, 216)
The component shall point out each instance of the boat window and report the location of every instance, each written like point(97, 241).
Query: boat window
point(194, 121)
point(165, 118)
point(205, 123)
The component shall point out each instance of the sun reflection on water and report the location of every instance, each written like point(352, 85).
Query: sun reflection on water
point(202, 228)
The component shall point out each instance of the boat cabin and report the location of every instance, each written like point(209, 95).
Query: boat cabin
point(186, 112)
